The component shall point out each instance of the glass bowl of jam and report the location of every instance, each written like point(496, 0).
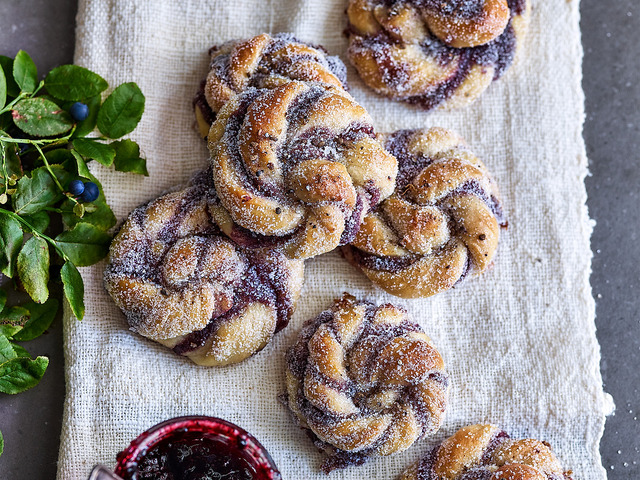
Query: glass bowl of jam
point(196, 448)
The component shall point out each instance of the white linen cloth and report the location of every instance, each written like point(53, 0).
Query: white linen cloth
point(519, 341)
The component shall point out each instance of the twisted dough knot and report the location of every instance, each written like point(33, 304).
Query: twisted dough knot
point(365, 380)
point(264, 61)
point(442, 223)
point(485, 452)
point(297, 166)
point(183, 285)
point(434, 52)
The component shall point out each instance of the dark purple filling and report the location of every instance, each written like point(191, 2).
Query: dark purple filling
point(384, 264)
point(200, 102)
point(193, 456)
point(465, 9)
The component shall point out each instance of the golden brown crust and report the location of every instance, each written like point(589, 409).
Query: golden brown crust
point(433, 53)
point(299, 166)
point(487, 452)
point(441, 224)
point(182, 284)
point(264, 61)
point(366, 381)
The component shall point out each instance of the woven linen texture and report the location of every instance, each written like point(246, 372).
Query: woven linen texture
point(519, 341)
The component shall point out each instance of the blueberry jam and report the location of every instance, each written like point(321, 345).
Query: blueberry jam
point(196, 448)
point(192, 456)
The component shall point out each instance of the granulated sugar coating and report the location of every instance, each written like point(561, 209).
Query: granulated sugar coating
point(181, 283)
point(297, 167)
point(441, 224)
point(434, 53)
point(485, 452)
point(264, 61)
point(365, 381)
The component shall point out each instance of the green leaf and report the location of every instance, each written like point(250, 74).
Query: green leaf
point(41, 318)
point(6, 350)
point(59, 156)
point(1, 443)
point(41, 117)
point(3, 89)
point(6, 63)
point(33, 268)
point(100, 152)
point(10, 242)
point(12, 161)
point(121, 111)
point(12, 320)
point(128, 157)
point(3, 299)
point(39, 220)
point(86, 126)
point(40, 191)
point(20, 352)
point(75, 83)
point(85, 244)
point(73, 288)
point(21, 374)
point(6, 120)
point(25, 72)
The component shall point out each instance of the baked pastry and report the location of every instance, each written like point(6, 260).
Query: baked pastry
point(297, 167)
point(183, 284)
point(485, 452)
point(434, 52)
point(440, 226)
point(365, 381)
point(264, 61)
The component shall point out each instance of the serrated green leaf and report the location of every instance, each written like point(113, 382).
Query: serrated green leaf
point(87, 126)
point(81, 167)
point(73, 288)
point(33, 268)
point(20, 351)
point(6, 350)
point(121, 111)
point(3, 89)
point(12, 161)
point(39, 220)
point(3, 299)
point(12, 320)
point(40, 191)
point(41, 318)
point(25, 72)
point(21, 374)
point(41, 117)
point(128, 157)
point(6, 63)
point(85, 244)
point(10, 242)
point(100, 152)
point(75, 83)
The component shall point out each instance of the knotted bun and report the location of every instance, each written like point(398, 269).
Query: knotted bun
point(441, 224)
point(297, 166)
point(182, 284)
point(434, 53)
point(365, 380)
point(264, 61)
point(485, 452)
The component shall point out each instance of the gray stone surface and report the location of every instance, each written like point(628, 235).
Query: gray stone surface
point(31, 422)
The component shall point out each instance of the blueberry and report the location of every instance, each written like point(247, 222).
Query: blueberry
point(76, 187)
point(90, 193)
point(79, 111)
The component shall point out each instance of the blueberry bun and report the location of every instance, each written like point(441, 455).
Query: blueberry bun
point(365, 381)
point(434, 53)
point(181, 283)
point(485, 452)
point(440, 226)
point(264, 61)
point(297, 167)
